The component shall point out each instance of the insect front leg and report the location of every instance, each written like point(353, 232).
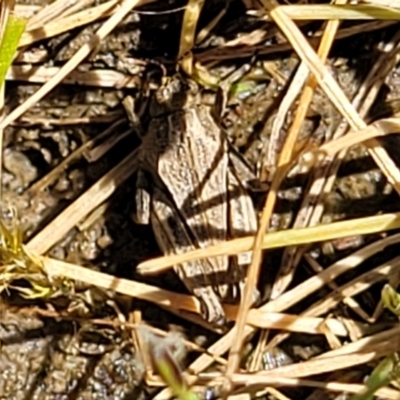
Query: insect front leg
point(245, 172)
point(142, 200)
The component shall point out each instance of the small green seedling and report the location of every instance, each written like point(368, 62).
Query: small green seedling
point(380, 376)
point(9, 43)
point(165, 354)
point(391, 299)
point(389, 368)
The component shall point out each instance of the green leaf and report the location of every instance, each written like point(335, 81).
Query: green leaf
point(238, 88)
point(380, 376)
point(14, 28)
point(169, 370)
point(391, 299)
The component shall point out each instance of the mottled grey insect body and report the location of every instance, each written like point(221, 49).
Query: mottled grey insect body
point(197, 200)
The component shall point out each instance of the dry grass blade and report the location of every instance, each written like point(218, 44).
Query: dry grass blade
point(342, 12)
point(86, 203)
point(78, 57)
point(251, 282)
point(348, 301)
point(358, 285)
point(306, 97)
point(53, 11)
point(292, 297)
point(363, 343)
point(301, 75)
point(47, 267)
point(56, 27)
point(347, 356)
point(188, 31)
point(48, 179)
point(6, 6)
point(274, 145)
point(385, 3)
point(99, 78)
point(334, 92)
point(281, 376)
point(159, 296)
point(174, 301)
point(339, 387)
point(293, 323)
point(287, 154)
point(322, 365)
point(377, 129)
point(305, 100)
point(383, 272)
point(99, 151)
point(324, 177)
point(75, 7)
point(255, 265)
point(316, 282)
point(359, 226)
point(229, 51)
point(251, 279)
point(26, 10)
point(123, 286)
point(46, 122)
point(211, 25)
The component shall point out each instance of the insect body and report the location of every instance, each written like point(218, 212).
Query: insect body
point(196, 200)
